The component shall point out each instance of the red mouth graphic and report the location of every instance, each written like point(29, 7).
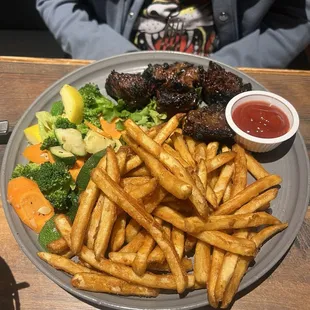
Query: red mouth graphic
point(177, 43)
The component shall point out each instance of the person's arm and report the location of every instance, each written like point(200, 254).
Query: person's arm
point(77, 34)
point(281, 37)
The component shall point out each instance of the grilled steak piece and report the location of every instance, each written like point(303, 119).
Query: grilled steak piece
point(179, 76)
point(219, 86)
point(132, 88)
point(207, 123)
point(172, 102)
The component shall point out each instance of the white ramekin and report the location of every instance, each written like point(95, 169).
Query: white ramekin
point(256, 144)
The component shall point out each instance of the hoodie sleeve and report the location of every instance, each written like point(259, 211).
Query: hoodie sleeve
point(283, 34)
point(77, 34)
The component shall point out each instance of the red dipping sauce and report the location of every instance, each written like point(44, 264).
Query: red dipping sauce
point(260, 119)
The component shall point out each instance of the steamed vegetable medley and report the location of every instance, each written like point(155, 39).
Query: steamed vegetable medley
point(65, 144)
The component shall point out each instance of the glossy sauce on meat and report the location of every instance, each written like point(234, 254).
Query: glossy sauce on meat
point(260, 119)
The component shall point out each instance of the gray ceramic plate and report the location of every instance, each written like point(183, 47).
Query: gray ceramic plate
point(290, 161)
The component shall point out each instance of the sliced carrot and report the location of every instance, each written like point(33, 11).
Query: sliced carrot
point(96, 129)
point(110, 128)
point(29, 203)
point(34, 154)
point(74, 171)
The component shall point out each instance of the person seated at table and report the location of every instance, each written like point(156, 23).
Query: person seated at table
point(246, 33)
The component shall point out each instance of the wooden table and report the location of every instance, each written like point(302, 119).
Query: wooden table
point(287, 286)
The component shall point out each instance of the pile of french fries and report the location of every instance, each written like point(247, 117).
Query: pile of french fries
point(167, 213)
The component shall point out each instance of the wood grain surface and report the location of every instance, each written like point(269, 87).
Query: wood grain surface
point(287, 286)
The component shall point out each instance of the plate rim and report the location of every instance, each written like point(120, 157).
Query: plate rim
point(81, 294)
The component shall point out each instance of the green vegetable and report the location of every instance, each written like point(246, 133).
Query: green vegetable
point(148, 116)
point(49, 141)
point(84, 174)
point(54, 181)
point(57, 108)
point(46, 123)
point(74, 199)
point(71, 140)
point(27, 171)
point(48, 233)
point(59, 154)
point(64, 123)
point(96, 105)
point(94, 142)
point(83, 129)
point(119, 125)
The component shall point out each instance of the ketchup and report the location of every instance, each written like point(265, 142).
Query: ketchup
point(260, 119)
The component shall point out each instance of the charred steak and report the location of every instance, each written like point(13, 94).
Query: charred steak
point(179, 76)
point(219, 86)
point(207, 123)
point(132, 88)
point(172, 102)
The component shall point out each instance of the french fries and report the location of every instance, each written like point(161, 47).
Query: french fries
point(222, 182)
point(175, 154)
point(215, 238)
point(108, 212)
point(240, 175)
point(128, 259)
point(216, 264)
point(116, 194)
point(160, 138)
point(181, 147)
point(150, 204)
point(165, 178)
point(139, 264)
point(247, 194)
point(94, 222)
point(191, 144)
point(126, 273)
point(82, 218)
point(227, 269)
point(179, 172)
point(62, 263)
point(202, 262)
point(243, 262)
point(219, 160)
point(254, 167)
point(177, 238)
point(118, 232)
point(107, 284)
point(59, 246)
point(167, 204)
point(143, 190)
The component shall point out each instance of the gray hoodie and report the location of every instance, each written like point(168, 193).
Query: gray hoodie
point(252, 33)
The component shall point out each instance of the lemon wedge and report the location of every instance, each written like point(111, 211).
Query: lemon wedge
point(73, 103)
point(32, 134)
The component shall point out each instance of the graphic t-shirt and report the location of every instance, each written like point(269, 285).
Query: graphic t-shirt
point(184, 26)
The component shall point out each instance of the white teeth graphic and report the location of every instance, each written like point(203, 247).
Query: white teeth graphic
point(155, 36)
point(149, 40)
point(162, 33)
point(190, 34)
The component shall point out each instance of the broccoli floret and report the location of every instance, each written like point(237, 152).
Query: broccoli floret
point(53, 176)
point(50, 141)
point(57, 108)
point(56, 184)
point(28, 171)
point(95, 104)
point(64, 123)
point(91, 94)
point(59, 200)
point(83, 129)
point(92, 116)
point(54, 181)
